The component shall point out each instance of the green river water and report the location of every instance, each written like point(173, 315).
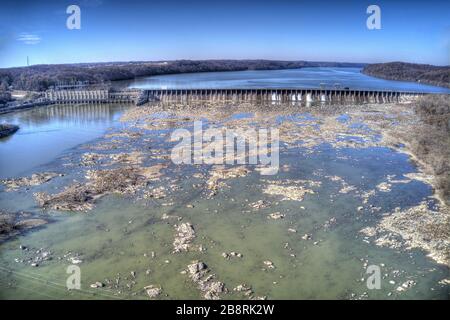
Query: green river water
point(124, 234)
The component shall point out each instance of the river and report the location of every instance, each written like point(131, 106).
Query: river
point(315, 251)
point(292, 78)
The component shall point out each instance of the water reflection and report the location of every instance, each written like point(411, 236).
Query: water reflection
point(48, 131)
point(98, 113)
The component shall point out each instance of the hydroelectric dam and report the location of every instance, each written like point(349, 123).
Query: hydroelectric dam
point(140, 97)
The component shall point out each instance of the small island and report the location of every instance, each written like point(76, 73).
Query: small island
point(7, 129)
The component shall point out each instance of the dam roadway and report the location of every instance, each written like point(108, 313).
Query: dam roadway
point(258, 95)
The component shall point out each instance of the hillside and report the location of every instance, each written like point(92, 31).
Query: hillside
point(41, 77)
point(422, 73)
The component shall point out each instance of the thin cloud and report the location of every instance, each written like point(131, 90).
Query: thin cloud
point(29, 38)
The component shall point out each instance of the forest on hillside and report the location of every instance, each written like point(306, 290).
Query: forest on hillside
point(41, 77)
point(422, 73)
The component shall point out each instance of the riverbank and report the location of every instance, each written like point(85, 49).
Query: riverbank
point(401, 71)
point(16, 106)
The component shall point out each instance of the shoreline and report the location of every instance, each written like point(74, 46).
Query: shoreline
point(410, 72)
point(431, 84)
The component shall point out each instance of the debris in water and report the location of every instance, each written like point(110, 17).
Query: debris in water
point(183, 238)
point(153, 291)
point(200, 275)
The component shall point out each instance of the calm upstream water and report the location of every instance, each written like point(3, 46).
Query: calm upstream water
point(292, 78)
point(45, 133)
point(123, 235)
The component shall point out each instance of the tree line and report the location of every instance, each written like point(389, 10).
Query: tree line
point(42, 77)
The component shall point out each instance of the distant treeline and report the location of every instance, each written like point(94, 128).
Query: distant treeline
point(41, 77)
point(423, 73)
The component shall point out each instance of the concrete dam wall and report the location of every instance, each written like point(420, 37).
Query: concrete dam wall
point(139, 97)
point(280, 95)
point(92, 96)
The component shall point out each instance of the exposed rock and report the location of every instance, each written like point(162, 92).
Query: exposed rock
point(269, 264)
point(384, 187)
point(81, 197)
point(155, 193)
point(75, 260)
point(242, 287)
point(219, 173)
point(416, 227)
point(406, 285)
point(132, 158)
point(366, 196)
point(347, 188)
point(200, 275)
point(97, 284)
point(276, 216)
point(288, 192)
point(166, 216)
point(330, 223)
point(306, 236)
point(152, 291)
point(91, 159)
point(232, 254)
point(183, 238)
point(369, 231)
point(334, 178)
point(74, 198)
point(124, 134)
point(260, 204)
point(35, 180)
point(259, 298)
point(34, 257)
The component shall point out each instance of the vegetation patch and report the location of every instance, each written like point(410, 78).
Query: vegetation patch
point(423, 73)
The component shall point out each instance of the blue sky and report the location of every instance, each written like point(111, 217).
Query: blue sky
point(114, 30)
